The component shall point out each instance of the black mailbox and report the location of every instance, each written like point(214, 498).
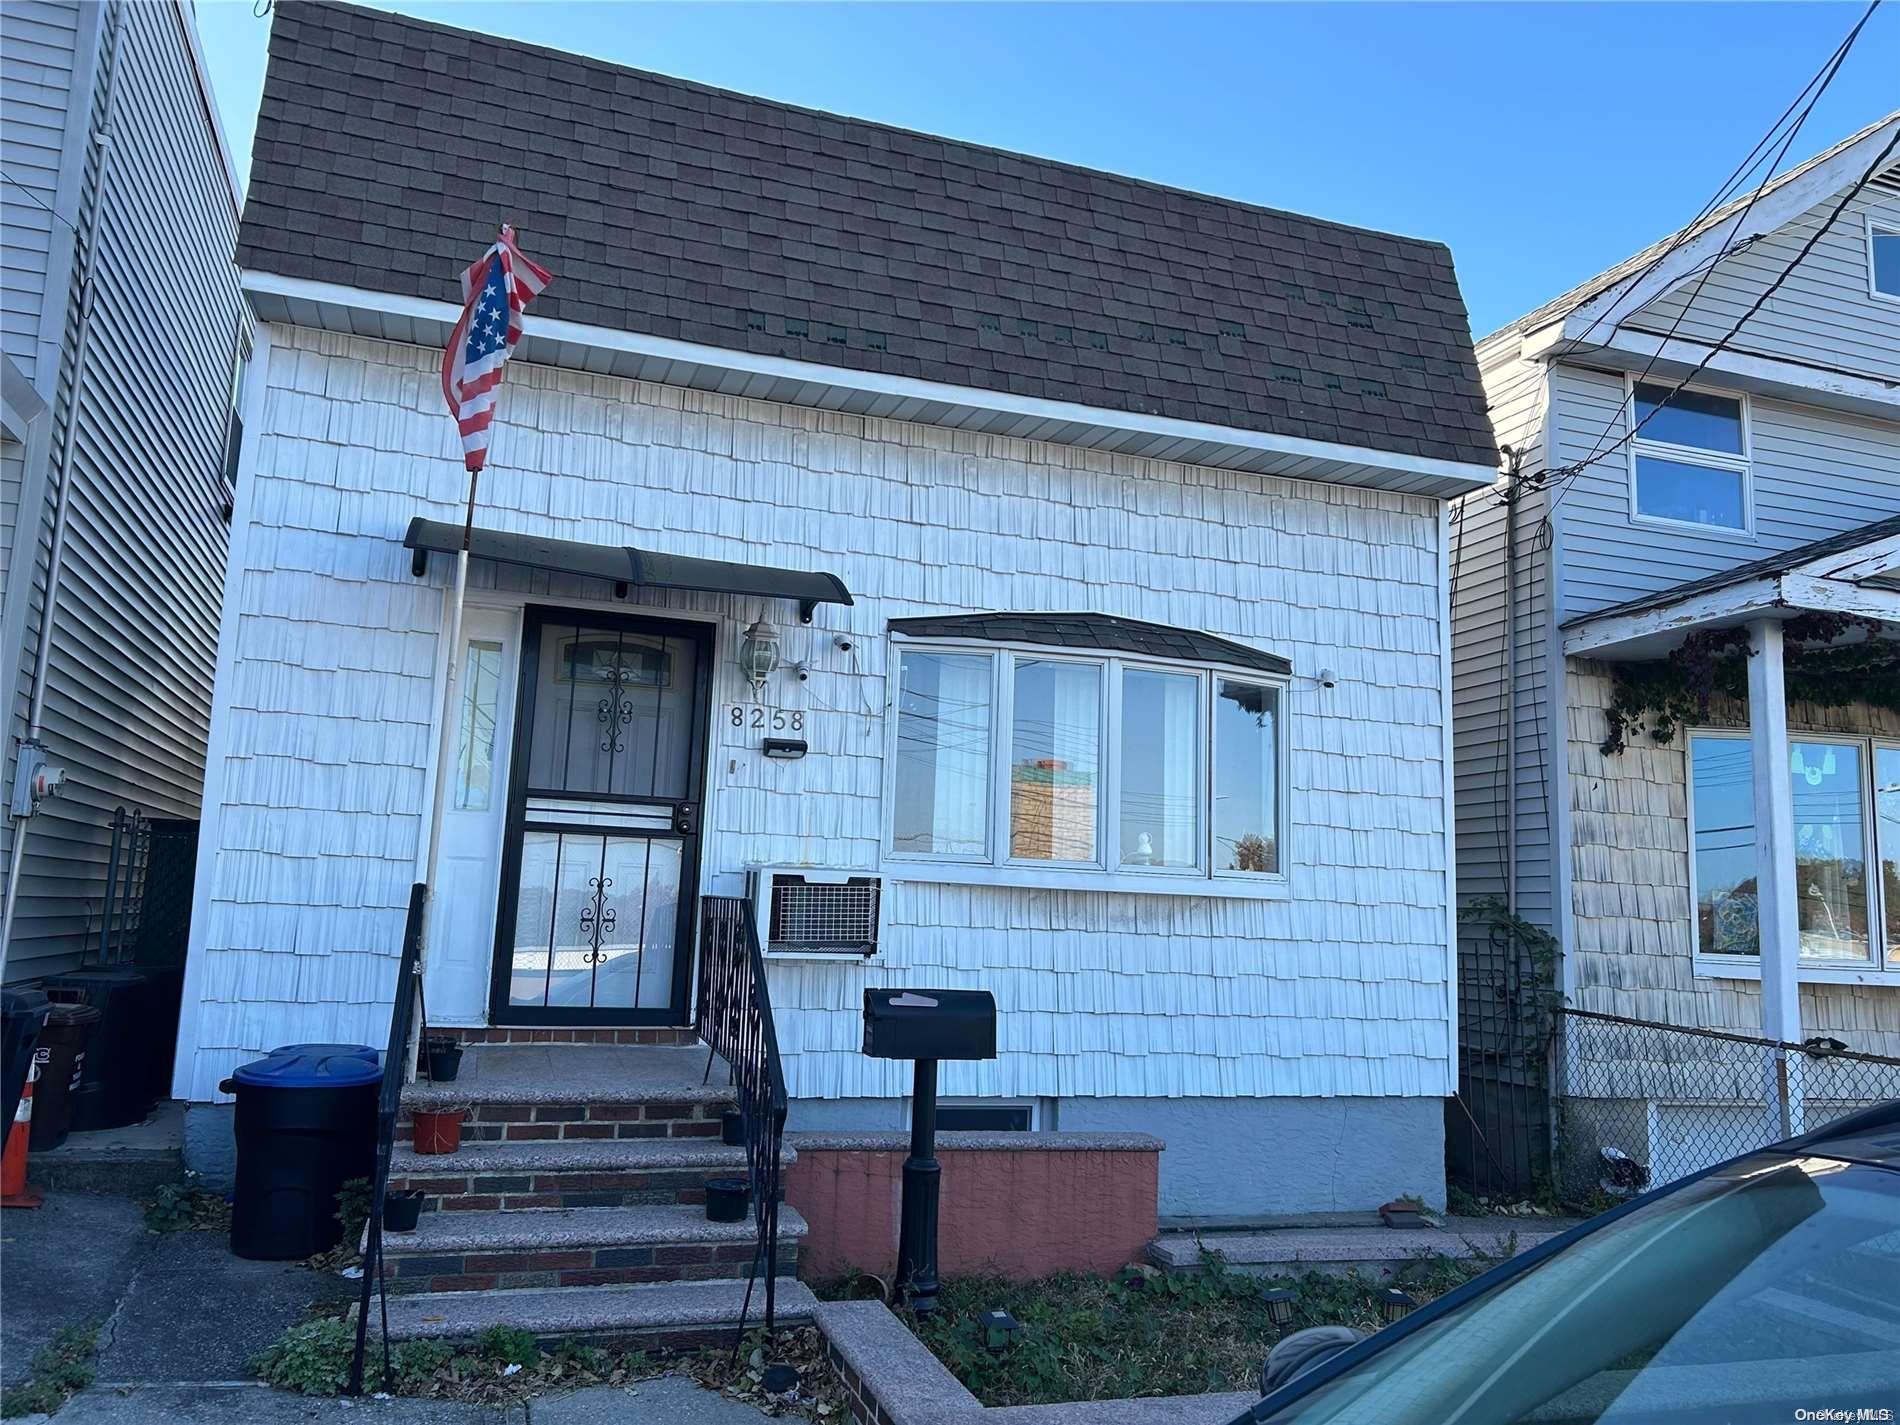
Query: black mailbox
point(930, 1024)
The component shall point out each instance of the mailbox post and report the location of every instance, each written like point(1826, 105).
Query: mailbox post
point(925, 1026)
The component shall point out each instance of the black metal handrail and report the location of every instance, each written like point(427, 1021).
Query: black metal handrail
point(734, 1018)
point(402, 1019)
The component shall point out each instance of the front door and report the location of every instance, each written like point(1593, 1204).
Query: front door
point(600, 862)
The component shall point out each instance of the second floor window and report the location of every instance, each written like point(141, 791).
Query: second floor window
point(1883, 254)
point(1689, 459)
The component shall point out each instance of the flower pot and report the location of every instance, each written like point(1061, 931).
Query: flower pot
point(438, 1130)
point(402, 1209)
point(445, 1059)
point(732, 1128)
point(727, 1199)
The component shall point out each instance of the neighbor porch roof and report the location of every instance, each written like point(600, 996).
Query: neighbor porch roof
point(1854, 572)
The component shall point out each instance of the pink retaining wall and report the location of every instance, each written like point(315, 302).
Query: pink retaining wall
point(1019, 1205)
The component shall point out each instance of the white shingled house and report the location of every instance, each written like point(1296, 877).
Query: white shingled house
point(1000, 574)
point(1677, 669)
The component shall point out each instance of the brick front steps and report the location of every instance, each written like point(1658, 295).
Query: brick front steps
point(665, 1314)
point(578, 1247)
point(610, 1172)
point(540, 1093)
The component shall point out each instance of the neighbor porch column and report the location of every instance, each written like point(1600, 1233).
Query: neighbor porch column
point(1774, 872)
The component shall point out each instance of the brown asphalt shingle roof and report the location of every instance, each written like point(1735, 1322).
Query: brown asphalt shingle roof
point(684, 212)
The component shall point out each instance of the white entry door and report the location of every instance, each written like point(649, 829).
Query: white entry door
point(462, 913)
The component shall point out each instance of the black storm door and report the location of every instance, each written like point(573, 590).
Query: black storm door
point(600, 867)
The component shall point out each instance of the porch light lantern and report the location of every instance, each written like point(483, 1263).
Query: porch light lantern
point(1279, 1303)
point(758, 654)
point(1395, 1305)
point(1000, 1331)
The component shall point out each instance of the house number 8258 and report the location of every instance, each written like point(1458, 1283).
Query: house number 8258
point(766, 719)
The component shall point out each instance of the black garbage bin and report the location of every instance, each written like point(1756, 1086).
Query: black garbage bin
point(306, 1124)
point(22, 1013)
point(116, 1087)
point(64, 1044)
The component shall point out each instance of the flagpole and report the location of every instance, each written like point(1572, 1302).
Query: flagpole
point(449, 727)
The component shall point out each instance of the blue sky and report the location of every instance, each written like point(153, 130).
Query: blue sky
point(1543, 142)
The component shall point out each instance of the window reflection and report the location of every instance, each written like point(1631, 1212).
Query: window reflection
point(1246, 790)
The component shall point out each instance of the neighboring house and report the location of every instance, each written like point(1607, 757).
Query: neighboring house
point(1766, 490)
point(1117, 519)
point(122, 329)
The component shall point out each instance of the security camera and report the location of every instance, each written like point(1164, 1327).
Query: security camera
point(803, 670)
point(842, 644)
point(1328, 678)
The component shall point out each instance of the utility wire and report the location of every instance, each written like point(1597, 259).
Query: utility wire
point(1571, 471)
point(1822, 79)
point(1732, 183)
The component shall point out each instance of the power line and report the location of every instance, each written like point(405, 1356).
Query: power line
point(1747, 165)
point(1716, 350)
point(1823, 78)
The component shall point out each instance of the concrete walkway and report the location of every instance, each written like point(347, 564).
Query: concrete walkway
point(1377, 1251)
point(181, 1319)
point(670, 1401)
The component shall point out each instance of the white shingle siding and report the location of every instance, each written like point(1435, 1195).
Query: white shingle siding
point(1338, 989)
point(1635, 933)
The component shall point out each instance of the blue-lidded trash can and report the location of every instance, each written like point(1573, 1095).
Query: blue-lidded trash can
point(306, 1124)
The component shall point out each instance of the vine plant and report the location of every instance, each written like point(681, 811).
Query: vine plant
point(1819, 668)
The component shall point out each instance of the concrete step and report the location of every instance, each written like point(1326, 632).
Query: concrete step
point(671, 1314)
point(588, 1246)
point(604, 1172)
point(520, 1093)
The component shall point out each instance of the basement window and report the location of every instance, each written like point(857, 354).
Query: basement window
point(985, 1116)
point(1689, 458)
point(1086, 768)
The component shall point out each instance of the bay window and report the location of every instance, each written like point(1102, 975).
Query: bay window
point(1041, 766)
point(1846, 807)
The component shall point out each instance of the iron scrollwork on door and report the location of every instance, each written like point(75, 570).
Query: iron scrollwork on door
point(615, 713)
point(597, 918)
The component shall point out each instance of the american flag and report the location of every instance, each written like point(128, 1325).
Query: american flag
point(495, 291)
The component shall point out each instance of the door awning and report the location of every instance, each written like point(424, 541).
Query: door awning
point(625, 567)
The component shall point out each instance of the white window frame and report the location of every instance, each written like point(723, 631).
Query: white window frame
point(1743, 464)
point(1105, 872)
point(1887, 223)
point(1879, 970)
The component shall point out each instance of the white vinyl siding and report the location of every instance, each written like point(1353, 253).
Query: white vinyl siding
point(1814, 473)
point(1338, 988)
point(38, 42)
point(129, 682)
point(1825, 315)
point(1515, 389)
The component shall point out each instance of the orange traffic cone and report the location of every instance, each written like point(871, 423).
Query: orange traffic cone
point(13, 1189)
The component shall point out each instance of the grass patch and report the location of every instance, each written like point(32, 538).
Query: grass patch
point(506, 1364)
point(1143, 1332)
point(62, 1369)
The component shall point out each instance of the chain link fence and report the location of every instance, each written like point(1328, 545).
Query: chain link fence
point(1642, 1104)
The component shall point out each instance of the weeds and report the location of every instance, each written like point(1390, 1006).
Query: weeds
point(1146, 1332)
point(187, 1207)
point(61, 1369)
